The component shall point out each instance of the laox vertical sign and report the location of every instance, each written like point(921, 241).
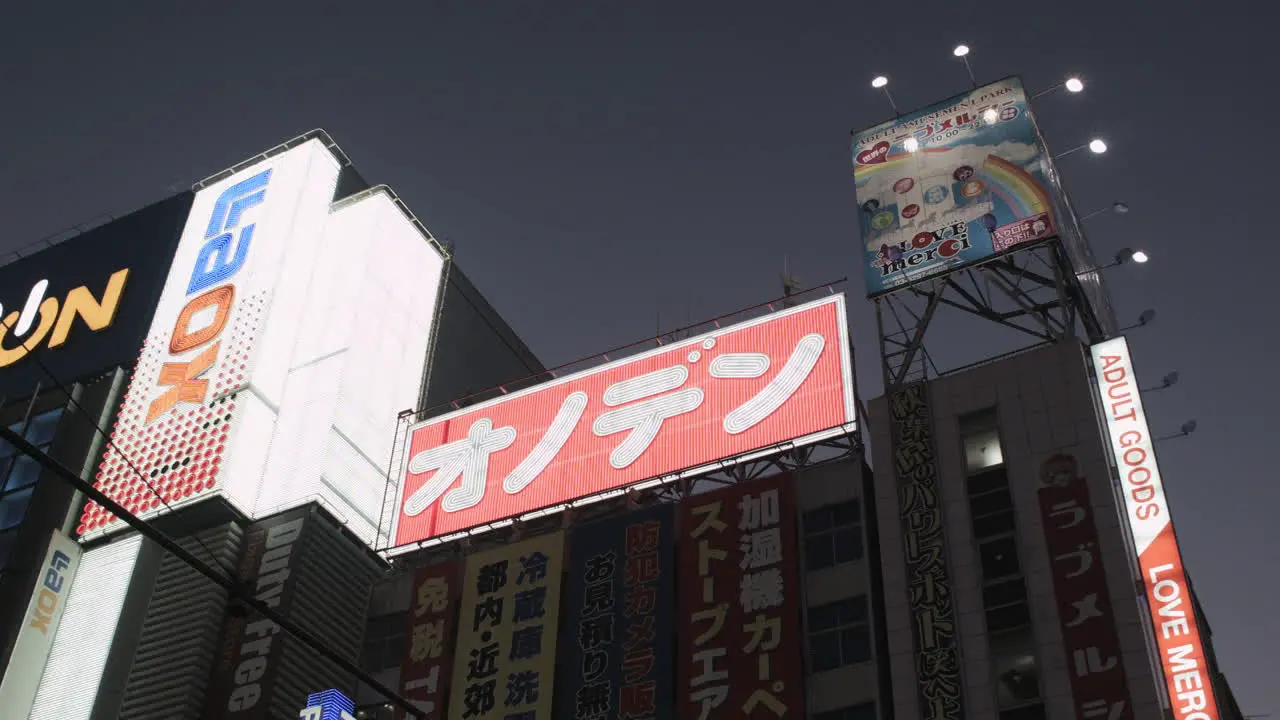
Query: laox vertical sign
point(213, 355)
point(35, 637)
point(1182, 654)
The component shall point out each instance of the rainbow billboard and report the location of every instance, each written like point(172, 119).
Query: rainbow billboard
point(952, 185)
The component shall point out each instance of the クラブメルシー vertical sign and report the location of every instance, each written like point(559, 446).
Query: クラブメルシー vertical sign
point(617, 638)
point(928, 581)
point(1080, 584)
point(433, 602)
point(506, 652)
point(951, 185)
point(740, 649)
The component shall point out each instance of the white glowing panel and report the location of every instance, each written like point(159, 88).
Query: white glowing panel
point(71, 677)
point(358, 361)
point(212, 372)
point(40, 624)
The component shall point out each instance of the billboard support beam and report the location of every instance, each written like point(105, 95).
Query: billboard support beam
point(1012, 291)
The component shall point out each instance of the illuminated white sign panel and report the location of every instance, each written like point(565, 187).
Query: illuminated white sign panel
point(289, 335)
point(1182, 654)
point(69, 686)
point(39, 626)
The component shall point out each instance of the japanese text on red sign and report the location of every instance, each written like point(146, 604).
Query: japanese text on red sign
point(425, 673)
point(1089, 635)
point(729, 393)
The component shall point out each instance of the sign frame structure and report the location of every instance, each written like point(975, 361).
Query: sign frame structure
point(1153, 541)
point(695, 345)
point(942, 218)
point(39, 625)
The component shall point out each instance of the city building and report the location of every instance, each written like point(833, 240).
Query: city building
point(1031, 569)
point(240, 394)
point(843, 646)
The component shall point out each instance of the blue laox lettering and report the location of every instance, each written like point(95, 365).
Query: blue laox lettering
point(216, 263)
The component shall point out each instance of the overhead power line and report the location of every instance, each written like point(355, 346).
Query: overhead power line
point(235, 590)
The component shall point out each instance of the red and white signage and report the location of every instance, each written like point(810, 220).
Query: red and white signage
point(1089, 637)
point(785, 376)
point(1182, 655)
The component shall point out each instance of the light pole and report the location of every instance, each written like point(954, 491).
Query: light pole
point(1187, 428)
point(962, 52)
point(1146, 318)
point(1117, 208)
point(1168, 381)
point(881, 82)
point(1072, 85)
point(1097, 146)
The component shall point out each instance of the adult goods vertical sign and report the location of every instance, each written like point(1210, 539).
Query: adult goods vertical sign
point(1155, 545)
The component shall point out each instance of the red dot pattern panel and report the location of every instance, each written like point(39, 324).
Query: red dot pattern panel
point(181, 453)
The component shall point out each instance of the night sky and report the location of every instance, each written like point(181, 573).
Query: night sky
point(605, 172)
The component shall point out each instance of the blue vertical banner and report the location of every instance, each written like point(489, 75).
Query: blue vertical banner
point(617, 630)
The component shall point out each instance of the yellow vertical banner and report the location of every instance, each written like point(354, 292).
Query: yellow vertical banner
point(505, 662)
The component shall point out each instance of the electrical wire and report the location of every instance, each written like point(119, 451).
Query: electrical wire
point(75, 404)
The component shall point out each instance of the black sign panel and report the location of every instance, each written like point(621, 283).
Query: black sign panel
point(85, 305)
point(928, 581)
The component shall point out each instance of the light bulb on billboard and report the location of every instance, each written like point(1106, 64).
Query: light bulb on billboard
point(911, 144)
point(1139, 256)
point(879, 82)
point(1097, 147)
point(990, 116)
point(961, 50)
point(1074, 84)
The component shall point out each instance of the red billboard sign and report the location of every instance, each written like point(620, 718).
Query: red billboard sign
point(724, 394)
point(428, 657)
point(1080, 585)
point(738, 597)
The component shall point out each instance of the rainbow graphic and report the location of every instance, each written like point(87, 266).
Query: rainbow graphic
point(1015, 187)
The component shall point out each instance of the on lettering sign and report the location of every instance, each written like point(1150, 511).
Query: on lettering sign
point(770, 380)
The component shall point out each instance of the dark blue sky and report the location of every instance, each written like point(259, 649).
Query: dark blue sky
point(599, 168)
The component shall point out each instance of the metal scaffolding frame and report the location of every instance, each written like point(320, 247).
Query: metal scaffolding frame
point(1034, 292)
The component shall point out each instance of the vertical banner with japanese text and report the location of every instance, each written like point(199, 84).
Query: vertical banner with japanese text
point(506, 651)
point(741, 654)
point(433, 602)
point(933, 614)
point(617, 641)
point(1089, 635)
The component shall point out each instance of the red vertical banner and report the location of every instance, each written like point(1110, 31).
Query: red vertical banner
point(740, 634)
point(1080, 586)
point(428, 655)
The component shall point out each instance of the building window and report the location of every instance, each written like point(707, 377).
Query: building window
point(1004, 589)
point(839, 634)
point(981, 433)
point(1013, 660)
point(384, 639)
point(378, 711)
point(18, 475)
point(865, 711)
point(833, 535)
